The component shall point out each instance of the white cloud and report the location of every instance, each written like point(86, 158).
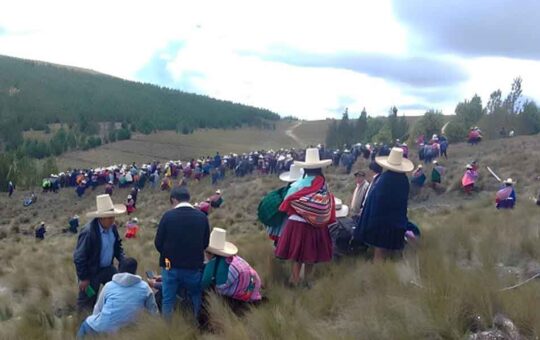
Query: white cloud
point(121, 37)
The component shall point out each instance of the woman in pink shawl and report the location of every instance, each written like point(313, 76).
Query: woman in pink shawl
point(469, 178)
point(506, 196)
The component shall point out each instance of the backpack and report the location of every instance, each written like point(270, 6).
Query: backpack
point(268, 210)
point(341, 234)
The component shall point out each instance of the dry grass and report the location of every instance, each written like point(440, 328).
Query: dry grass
point(442, 288)
point(167, 145)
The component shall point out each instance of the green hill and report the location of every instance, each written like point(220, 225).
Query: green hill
point(34, 94)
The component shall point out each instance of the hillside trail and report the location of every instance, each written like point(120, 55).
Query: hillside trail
point(290, 132)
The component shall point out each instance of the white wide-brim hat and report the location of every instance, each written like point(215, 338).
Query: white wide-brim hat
point(395, 161)
point(218, 243)
point(342, 210)
point(313, 161)
point(509, 181)
point(293, 175)
point(106, 208)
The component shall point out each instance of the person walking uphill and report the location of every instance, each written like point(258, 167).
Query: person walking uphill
point(97, 246)
point(310, 208)
point(182, 236)
point(383, 222)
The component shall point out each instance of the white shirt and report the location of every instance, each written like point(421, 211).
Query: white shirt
point(184, 204)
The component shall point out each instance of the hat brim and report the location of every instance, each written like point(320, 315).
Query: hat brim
point(229, 250)
point(320, 164)
point(119, 209)
point(286, 177)
point(343, 212)
point(405, 166)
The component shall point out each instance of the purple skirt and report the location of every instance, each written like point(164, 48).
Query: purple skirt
point(301, 242)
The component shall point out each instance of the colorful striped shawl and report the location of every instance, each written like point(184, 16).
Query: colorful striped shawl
point(314, 203)
point(243, 282)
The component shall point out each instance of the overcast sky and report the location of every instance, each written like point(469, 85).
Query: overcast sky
point(310, 59)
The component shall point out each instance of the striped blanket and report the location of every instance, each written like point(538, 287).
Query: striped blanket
point(243, 282)
point(314, 203)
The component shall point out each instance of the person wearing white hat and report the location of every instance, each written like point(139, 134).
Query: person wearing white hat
point(109, 188)
point(11, 189)
point(437, 173)
point(130, 205)
point(81, 188)
point(506, 196)
point(216, 200)
point(469, 179)
point(384, 216)
point(305, 239)
point(228, 273)
point(97, 246)
point(294, 174)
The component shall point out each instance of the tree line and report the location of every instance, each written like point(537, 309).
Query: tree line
point(367, 129)
point(511, 113)
point(35, 94)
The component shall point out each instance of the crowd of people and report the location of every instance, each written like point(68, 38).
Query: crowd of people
point(193, 261)
point(305, 221)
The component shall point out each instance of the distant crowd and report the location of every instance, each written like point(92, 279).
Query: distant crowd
point(305, 221)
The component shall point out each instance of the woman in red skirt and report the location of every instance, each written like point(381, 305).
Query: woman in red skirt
point(310, 208)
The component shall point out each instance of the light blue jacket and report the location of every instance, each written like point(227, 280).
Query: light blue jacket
point(120, 301)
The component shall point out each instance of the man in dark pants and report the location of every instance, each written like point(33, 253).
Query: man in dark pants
point(97, 246)
point(182, 236)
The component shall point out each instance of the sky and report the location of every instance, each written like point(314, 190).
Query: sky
point(310, 59)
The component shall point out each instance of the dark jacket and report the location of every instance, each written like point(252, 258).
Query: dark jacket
point(384, 218)
point(182, 237)
point(88, 251)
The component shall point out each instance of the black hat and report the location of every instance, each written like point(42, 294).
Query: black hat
point(375, 167)
point(180, 193)
point(360, 173)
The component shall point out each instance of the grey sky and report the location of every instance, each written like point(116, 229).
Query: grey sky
point(507, 28)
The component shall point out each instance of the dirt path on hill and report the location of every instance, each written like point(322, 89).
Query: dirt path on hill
point(290, 132)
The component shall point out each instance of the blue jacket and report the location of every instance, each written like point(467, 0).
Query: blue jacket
point(120, 301)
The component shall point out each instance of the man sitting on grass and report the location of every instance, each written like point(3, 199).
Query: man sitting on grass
point(119, 302)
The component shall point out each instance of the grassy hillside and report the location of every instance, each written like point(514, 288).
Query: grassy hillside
point(168, 145)
point(444, 287)
point(33, 94)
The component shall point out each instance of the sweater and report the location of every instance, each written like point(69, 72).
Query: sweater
point(183, 235)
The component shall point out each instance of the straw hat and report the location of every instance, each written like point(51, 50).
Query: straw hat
point(395, 161)
point(291, 176)
point(313, 161)
point(218, 191)
point(106, 208)
point(509, 181)
point(218, 244)
point(468, 166)
point(342, 210)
